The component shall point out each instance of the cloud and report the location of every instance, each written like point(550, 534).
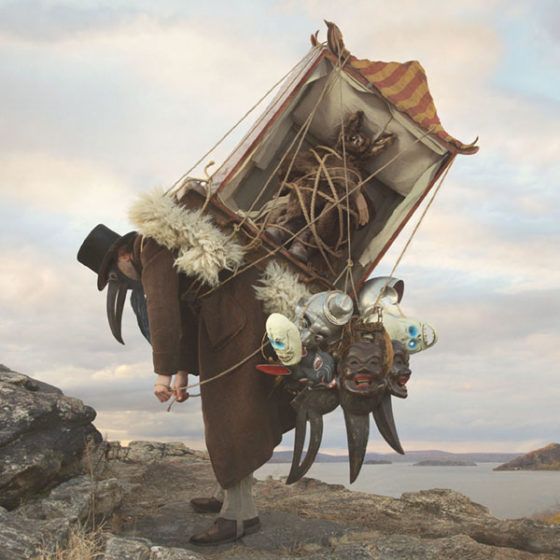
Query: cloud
point(141, 102)
point(57, 185)
point(152, 425)
point(53, 20)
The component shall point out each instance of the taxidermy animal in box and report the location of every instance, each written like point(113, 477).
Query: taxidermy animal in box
point(324, 188)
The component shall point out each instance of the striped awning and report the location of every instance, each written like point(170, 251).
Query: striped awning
point(405, 85)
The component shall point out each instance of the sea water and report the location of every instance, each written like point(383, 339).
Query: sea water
point(508, 494)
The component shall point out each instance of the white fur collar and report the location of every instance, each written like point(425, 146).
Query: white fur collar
point(204, 250)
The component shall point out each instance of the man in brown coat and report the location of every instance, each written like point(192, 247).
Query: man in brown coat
point(244, 415)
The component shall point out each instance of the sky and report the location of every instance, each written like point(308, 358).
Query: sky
point(103, 100)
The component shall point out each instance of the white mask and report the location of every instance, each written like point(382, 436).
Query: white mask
point(412, 333)
point(285, 339)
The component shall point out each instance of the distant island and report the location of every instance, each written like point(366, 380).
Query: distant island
point(409, 457)
point(544, 459)
point(444, 463)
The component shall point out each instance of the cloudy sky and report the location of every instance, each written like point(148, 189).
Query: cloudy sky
point(102, 100)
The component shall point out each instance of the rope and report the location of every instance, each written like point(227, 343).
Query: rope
point(349, 263)
point(177, 184)
point(221, 374)
point(272, 252)
point(299, 136)
point(332, 78)
point(407, 244)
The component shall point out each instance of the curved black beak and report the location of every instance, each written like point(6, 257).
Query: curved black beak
point(383, 416)
point(116, 296)
point(310, 405)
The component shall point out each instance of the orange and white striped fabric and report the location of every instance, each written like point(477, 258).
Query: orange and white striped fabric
point(405, 85)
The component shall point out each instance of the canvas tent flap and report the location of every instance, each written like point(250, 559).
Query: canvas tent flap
point(405, 85)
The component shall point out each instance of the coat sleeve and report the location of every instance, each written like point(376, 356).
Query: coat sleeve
point(161, 286)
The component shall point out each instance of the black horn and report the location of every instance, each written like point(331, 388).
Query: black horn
point(383, 416)
point(357, 432)
point(311, 404)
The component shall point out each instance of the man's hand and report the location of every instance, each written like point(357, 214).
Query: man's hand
point(162, 388)
point(180, 386)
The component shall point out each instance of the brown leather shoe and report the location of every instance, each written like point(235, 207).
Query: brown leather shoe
point(206, 505)
point(224, 531)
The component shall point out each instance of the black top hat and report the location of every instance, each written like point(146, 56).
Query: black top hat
point(99, 250)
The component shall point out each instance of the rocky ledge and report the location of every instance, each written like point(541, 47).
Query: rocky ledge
point(140, 496)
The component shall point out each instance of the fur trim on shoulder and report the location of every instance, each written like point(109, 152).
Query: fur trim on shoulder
point(203, 249)
point(280, 291)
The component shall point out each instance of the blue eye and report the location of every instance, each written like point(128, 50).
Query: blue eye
point(412, 330)
point(278, 344)
point(413, 344)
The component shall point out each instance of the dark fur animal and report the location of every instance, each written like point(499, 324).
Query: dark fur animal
point(317, 181)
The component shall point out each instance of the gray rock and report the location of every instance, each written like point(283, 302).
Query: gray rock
point(45, 523)
point(287, 531)
point(404, 547)
point(15, 378)
point(75, 500)
point(119, 548)
point(43, 435)
point(347, 552)
point(151, 451)
point(134, 548)
point(162, 553)
point(431, 516)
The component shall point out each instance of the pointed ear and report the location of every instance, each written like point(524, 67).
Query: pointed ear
point(354, 121)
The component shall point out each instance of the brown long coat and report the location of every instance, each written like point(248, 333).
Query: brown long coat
point(244, 417)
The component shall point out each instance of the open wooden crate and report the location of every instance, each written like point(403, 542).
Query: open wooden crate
point(308, 111)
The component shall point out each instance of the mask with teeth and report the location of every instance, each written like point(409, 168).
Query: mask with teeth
point(365, 361)
point(400, 371)
point(362, 369)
